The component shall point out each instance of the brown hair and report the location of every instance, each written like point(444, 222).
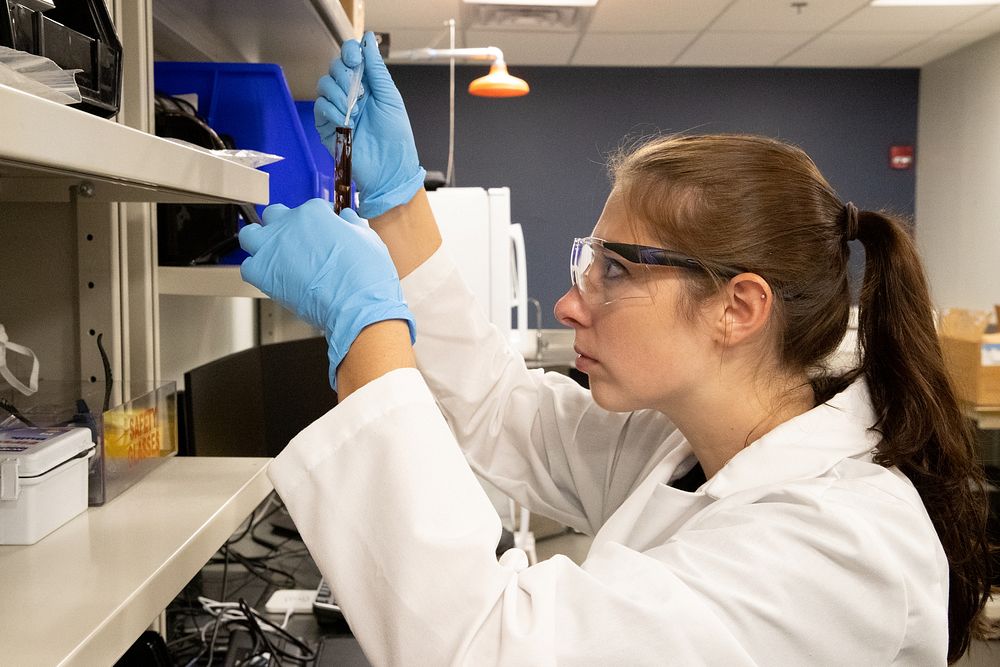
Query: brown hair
point(760, 204)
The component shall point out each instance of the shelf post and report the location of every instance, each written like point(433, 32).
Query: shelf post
point(98, 287)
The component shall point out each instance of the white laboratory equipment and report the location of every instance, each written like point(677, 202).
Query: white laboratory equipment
point(488, 249)
point(477, 233)
point(43, 480)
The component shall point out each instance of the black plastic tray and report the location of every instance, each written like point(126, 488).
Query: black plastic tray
point(76, 34)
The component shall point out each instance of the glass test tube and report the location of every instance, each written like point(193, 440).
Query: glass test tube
point(342, 170)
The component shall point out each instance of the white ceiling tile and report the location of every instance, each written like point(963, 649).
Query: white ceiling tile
point(383, 15)
point(630, 49)
point(986, 23)
point(654, 15)
point(852, 49)
point(657, 31)
point(741, 49)
point(526, 48)
point(936, 47)
point(781, 16)
point(906, 19)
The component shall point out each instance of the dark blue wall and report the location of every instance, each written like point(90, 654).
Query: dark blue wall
point(550, 147)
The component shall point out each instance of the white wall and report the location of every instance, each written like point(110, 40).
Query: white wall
point(958, 176)
point(195, 330)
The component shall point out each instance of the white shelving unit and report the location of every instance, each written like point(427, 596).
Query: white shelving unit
point(82, 594)
point(48, 149)
point(206, 281)
point(78, 258)
point(70, 173)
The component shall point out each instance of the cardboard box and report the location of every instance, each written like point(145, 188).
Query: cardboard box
point(971, 355)
point(355, 10)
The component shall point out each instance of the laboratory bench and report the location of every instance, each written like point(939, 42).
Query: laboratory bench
point(85, 592)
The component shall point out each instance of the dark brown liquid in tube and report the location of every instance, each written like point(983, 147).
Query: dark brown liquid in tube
point(342, 170)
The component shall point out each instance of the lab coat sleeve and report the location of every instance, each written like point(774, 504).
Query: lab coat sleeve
point(405, 535)
point(401, 529)
point(539, 437)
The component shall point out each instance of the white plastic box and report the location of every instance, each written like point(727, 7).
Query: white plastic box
point(43, 480)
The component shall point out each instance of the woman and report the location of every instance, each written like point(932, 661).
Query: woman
point(747, 508)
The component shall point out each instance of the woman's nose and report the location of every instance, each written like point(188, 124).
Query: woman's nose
point(571, 311)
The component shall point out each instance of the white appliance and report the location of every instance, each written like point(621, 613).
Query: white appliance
point(489, 251)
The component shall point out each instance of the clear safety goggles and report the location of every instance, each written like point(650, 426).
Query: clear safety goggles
point(605, 272)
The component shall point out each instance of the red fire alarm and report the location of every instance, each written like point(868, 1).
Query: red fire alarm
point(901, 157)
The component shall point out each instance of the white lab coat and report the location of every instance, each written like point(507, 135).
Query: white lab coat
point(800, 551)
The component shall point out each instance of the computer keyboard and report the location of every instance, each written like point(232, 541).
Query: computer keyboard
point(326, 609)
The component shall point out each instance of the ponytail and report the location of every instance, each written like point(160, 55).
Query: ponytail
point(924, 432)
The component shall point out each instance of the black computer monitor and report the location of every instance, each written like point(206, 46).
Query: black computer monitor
point(251, 403)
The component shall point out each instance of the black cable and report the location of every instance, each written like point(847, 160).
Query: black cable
point(108, 377)
point(211, 643)
point(225, 571)
point(256, 632)
point(256, 568)
point(14, 412)
point(234, 540)
point(250, 565)
point(305, 652)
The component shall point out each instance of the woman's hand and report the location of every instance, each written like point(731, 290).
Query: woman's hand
point(384, 163)
point(331, 271)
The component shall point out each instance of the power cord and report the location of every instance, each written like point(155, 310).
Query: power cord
point(9, 407)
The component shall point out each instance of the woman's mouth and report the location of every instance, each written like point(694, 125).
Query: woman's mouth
point(583, 360)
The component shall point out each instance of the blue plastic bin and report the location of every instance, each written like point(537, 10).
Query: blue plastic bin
point(321, 156)
point(251, 103)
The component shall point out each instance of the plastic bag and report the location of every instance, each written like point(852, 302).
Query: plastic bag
point(243, 156)
point(39, 76)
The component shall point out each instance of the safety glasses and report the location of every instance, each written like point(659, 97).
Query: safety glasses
point(605, 272)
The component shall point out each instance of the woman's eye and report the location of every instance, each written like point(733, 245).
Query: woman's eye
point(613, 269)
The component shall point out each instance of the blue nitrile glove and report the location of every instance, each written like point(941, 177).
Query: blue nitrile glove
point(384, 163)
point(332, 271)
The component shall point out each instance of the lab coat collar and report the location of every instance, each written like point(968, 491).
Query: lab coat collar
point(803, 447)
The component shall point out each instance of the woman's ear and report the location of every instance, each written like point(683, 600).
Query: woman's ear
point(746, 308)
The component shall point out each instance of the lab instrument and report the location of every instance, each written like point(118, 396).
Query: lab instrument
point(43, 480)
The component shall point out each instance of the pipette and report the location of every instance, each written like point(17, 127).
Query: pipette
point(343, 146)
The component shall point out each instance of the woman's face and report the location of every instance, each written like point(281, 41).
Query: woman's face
point(640, 352)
